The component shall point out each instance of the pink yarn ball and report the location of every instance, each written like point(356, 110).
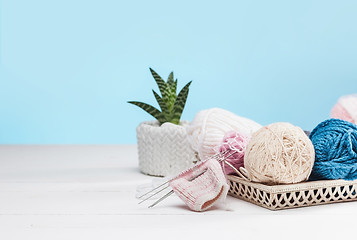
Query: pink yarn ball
point(346, 109)
point(234, 143)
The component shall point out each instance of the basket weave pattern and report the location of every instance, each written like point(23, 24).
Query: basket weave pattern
point(164, 150)
point(304, 194)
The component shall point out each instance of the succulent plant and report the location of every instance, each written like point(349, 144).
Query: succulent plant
point(170, 103)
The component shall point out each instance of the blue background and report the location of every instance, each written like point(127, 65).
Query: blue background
point(68, 67)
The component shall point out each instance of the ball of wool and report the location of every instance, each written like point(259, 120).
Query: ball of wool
point(279, 153)
point(335, 143)
point(346, 108)
point(208, 127)
point(233, 146)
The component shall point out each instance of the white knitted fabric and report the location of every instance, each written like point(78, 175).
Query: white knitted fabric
point(208, 128)
point(164, 150)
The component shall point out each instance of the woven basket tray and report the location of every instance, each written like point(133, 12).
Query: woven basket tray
point(277, 197)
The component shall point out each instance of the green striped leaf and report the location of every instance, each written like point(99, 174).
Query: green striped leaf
point(170, 80)
point(161, 103)
point(180, 103)
point(151, 110)
point(172, 92)
point(163, 86)
point(175, 86)
point(171, 101)
point(172, 85)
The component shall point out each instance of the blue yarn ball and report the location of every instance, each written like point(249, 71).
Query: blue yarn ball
point(335, 143)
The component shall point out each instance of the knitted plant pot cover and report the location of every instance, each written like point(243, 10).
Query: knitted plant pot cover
point(164, 150)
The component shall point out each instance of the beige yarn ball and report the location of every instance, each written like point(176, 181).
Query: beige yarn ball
point(208, 128)
point(279, 153)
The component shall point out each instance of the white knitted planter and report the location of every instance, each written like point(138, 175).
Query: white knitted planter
point(164, 150)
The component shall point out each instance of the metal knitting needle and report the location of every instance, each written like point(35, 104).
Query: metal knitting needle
point(214, 156)
point(154, 194)
point(172, 191)
point(223, 157)
point(165, 196)
point(217, 156)
point(193, 178)
point(154, 189)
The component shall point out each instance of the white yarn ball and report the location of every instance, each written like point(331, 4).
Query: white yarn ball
point(279, 153)
point(208, 128)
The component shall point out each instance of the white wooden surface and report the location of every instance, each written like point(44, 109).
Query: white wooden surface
point(88, 192)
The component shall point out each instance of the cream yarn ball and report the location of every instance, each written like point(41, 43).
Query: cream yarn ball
point(279, 153)
point(208, 128)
